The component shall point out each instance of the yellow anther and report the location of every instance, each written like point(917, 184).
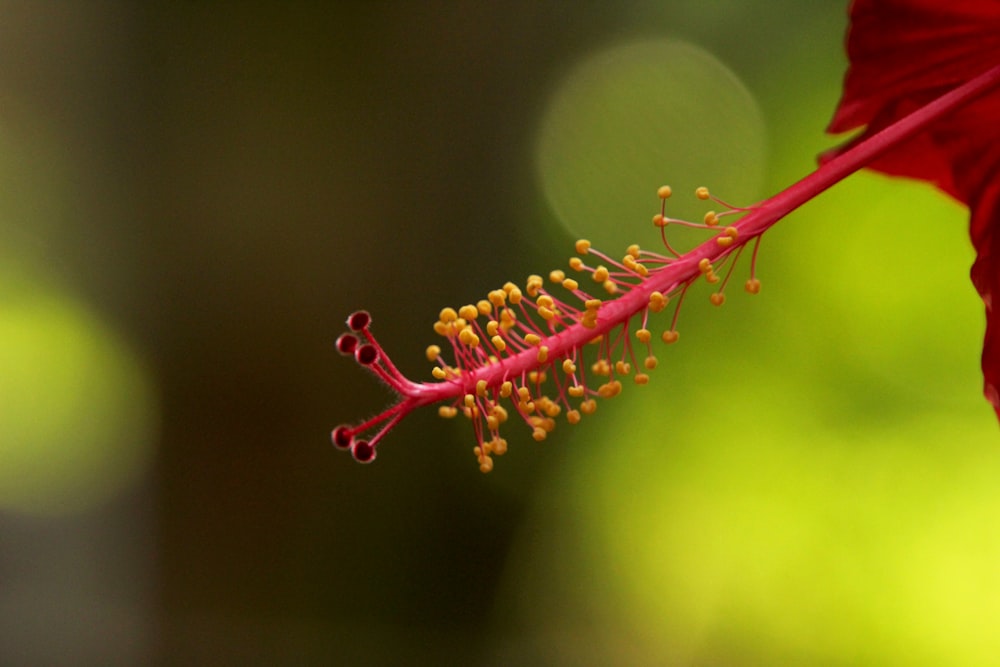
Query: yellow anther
point(582, 246)
point(447, 411)
point(711, 219)
point(576, 391)
point(492, 423)
point(523, 393)
point(537, 377)
point(546, 313)
point(433, 352)
point(717, 298)
point(634, 266)
point(650, 362)
point(557, 275)
point(484, 307)
point(592, 304)
point(609, 389)
point(499, 446)
point(659, 220)
point(492, 327)
point(514, 296)
point(438, 373)
point(481, 388)
point(568, 366)
point(643, 335)
point(664, 192)
point(499, 343)
point(633, 250)
point(588, 407)
point(589, 320)
point(601, 274)
point(752, 286)
point(440, 328)
point(532, 339)
point(711, 276)
point(485, 464)
point(641, 378)
point(539, 434)
point(671, 336)
point(506, 388)
point(533, 284)
point(623, 368)
point(546, 301)
point(658, 302)
point(731, 231)
point(543, 354)
point(499, 412)
point(448, 315)
point(570, 284)
point(601, 367)
point(508, 287)
point(701, 193)
point(573, 416)
point(498, 298)
point(537, 420)
point(467, 337)
point(468, 313)
point(705, 265)
point(470, 401)
point(610, 287)
point(724, 241)
point(576, 263)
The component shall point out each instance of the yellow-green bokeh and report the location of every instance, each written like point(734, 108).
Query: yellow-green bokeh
point(809, 478)
point(629, 118)
point(745, 507)
point(78, 412)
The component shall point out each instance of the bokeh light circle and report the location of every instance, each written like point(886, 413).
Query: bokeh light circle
point(78, 409)
point(633, 117)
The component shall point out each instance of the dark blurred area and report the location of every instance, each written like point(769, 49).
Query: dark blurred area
point(232, 180)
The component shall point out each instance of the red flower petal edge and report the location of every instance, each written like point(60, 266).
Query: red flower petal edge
point(904, 53)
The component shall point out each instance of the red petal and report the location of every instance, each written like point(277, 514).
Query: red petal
point(986, 276)
point(910, 51)
point(905, 53)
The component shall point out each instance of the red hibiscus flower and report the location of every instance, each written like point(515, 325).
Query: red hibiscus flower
point(903, 54)
point(924, 82)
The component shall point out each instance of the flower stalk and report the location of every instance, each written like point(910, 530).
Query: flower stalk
point(531, 336)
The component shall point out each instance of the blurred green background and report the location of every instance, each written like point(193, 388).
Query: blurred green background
point(197, 194)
